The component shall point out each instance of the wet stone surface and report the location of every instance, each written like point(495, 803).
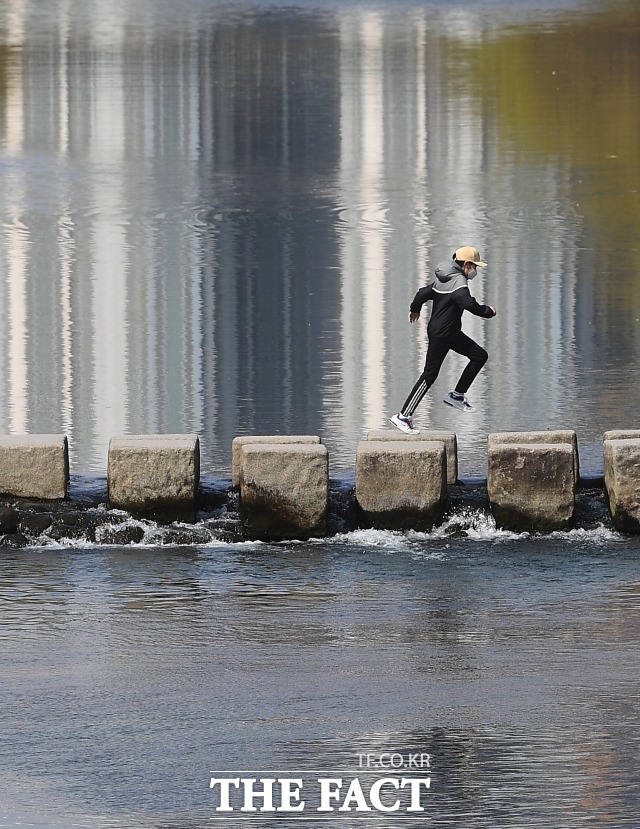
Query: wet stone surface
point(86, 518)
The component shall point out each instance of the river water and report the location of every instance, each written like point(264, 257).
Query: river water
point(213, 218)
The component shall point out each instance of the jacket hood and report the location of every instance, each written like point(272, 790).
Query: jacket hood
point(449, 274)
point(447, 270)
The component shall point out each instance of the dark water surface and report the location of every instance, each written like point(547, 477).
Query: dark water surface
point(212, 219)
point(131, 674)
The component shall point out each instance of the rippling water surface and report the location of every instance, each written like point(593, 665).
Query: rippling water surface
point(130, 674)
point(212, 219)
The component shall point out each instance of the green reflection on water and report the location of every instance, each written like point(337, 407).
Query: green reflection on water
point(572, 93)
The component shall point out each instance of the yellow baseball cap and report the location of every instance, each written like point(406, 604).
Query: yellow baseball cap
point(469, 254)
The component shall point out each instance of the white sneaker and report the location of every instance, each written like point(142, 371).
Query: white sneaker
point(460, 403)
point(405, 424)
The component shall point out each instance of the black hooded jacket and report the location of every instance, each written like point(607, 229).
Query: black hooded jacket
point(450, 295)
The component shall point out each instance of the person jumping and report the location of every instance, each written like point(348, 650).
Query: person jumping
point(450, 295)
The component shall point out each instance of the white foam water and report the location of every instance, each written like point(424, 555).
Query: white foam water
point(474, 525)
point(467, 524)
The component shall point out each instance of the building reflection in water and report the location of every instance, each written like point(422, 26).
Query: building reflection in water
point(216, 225)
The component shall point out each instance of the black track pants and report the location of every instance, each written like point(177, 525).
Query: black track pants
point(436, 352)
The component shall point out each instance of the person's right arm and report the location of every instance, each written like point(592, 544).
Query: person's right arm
point(468, 303)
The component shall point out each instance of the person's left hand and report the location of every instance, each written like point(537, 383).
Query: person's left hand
point(414, 316)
